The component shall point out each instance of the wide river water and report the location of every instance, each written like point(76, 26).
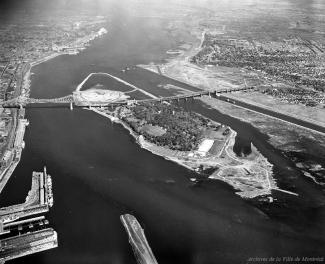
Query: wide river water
point(99, 173)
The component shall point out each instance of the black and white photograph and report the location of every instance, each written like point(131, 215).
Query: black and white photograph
point(162, 131)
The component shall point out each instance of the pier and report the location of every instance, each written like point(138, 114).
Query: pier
point(38, 200)
point(28, 235)
point(138, 241)
point(26, 244)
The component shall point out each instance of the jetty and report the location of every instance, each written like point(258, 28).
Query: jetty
point(138, 241)
point(26, 244)
point(38, 200)
point(23, 230)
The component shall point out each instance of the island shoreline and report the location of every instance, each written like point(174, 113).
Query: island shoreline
point(244, 191)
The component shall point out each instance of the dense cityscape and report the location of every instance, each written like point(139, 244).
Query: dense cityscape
point(296, 61)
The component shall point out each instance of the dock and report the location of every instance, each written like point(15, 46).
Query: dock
point(20, 235)
point(38, 200)
point(138, 241)
point(26, 244)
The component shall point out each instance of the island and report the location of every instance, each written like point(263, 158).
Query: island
point(195, 142)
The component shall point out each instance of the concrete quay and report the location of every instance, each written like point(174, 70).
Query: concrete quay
point(38, 200)
point(138, 241)
point(20, 237)
point(26, 244)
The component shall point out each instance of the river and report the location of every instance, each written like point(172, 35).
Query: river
point(99, 173)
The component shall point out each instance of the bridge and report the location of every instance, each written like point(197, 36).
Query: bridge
point(193, 95)
point(21, 102)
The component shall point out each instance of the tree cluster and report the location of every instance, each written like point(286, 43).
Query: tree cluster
point(183, 128)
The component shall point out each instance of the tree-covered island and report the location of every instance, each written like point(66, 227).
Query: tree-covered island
point(195, 142)
point(171, 126)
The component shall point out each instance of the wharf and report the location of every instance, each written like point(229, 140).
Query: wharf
point(26, 244)
point(21, 236)
point(137, 239)
point(38, 200)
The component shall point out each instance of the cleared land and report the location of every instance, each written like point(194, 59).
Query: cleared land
point(98, 97)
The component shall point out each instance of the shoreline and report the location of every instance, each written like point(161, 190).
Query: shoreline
point(259, 168)
point(71, 51)
point(142, 144)
point(182, 60)
point(24, 91)
point(230, 97)
point(79, 87)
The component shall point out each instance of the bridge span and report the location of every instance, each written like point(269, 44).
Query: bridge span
point(22, 102)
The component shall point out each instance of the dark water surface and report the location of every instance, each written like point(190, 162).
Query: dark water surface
point(100, 173)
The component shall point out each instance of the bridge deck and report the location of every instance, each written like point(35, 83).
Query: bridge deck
point(23, 101)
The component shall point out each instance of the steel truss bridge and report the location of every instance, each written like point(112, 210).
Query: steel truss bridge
point(21, 102)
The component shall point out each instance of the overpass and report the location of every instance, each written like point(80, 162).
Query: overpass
point(21, 102)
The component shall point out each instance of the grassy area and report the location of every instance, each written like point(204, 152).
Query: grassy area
point(155, 131)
